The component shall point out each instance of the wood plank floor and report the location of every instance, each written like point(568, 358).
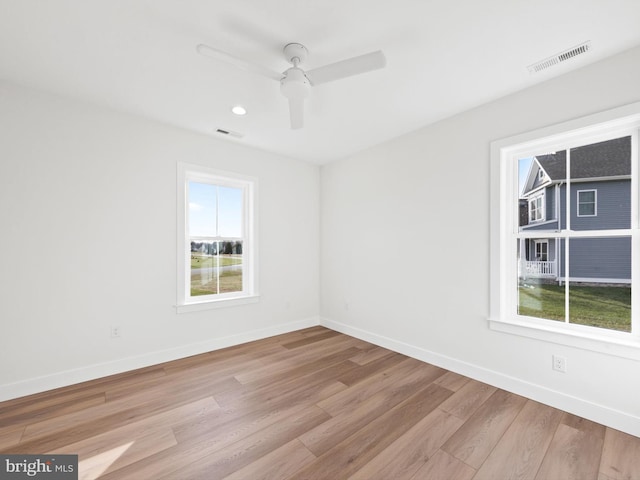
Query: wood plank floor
point(312, 404)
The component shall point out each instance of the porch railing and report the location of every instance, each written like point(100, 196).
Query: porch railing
point(539, 269)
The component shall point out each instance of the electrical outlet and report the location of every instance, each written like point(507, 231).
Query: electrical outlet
point(559, 364)
point(115, 332)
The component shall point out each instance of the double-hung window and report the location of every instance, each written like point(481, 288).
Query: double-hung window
point(587, 203)
point(573, 278)
point(536, 209)
point(216, 238)
point(541, 250)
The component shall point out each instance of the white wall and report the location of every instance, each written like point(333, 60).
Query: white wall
point(405, 248)
point(88, 240)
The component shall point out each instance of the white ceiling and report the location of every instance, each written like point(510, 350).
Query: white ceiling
point(443, 57)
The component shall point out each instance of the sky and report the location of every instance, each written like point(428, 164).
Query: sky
point(523, 169)
point(208, 203)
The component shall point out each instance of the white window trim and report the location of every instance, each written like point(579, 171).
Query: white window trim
point(191, 172)
point(595, 202)
point(597, 127)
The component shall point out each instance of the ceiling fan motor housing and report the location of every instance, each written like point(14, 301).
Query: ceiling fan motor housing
point(295, 84)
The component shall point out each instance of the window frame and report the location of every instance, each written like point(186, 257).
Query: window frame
point(541, 242)
point(603, 126)
point(595, 203)
point(186, 173)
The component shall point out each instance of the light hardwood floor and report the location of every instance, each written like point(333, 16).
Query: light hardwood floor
point(312, 404)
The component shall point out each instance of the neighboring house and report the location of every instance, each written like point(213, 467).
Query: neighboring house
point(600, 199)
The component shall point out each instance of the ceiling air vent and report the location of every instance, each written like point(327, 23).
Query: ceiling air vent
point(560, 57)
point(229, 132)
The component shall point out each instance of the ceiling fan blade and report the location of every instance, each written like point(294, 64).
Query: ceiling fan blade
point(346, 68)
point(211, 52)
point(296, 112)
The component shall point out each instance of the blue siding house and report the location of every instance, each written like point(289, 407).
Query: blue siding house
point(600, 199)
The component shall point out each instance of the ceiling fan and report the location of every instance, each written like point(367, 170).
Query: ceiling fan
point(296, 83)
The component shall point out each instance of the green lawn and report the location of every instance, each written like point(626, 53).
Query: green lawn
point(199, 260)
point(605, 307)
point(229, 282)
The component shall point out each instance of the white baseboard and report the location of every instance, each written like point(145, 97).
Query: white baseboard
point(602, 414)
point(91, 372)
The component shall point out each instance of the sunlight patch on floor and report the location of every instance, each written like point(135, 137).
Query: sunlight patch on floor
point(91, 468)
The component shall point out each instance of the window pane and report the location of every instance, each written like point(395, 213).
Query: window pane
point(202, 209)
point(599, 289)
point(587, 197)
point(204, 271)
point(539, 294)
point(601, 185)
point(230, 267)
point(229, 212)
point(216, 267)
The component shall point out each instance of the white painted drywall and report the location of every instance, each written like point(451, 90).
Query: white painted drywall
point(405, 248)
point(88, 218)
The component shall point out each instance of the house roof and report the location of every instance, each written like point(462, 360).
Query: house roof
point(611, 158)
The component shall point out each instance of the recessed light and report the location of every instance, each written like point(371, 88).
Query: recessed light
point(239, 110)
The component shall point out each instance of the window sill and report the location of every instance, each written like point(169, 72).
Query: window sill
point(212, 304)
point(620, 347)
